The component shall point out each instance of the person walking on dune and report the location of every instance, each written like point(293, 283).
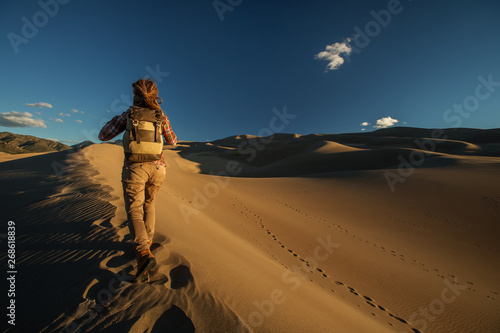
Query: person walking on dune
point(144, 167)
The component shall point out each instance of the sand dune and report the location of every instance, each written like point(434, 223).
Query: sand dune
point(317, 233)
point(9, 157)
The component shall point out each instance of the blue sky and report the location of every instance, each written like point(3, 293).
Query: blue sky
point(223, 66)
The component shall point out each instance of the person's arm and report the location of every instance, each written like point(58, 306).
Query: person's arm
point(113, 127)
point(168, 133)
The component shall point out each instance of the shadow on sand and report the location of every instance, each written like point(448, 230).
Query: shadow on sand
point(63, 232)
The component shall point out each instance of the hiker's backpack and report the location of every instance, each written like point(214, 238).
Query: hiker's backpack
point(142, 140)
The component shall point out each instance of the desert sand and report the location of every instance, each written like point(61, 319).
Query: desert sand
point(316, 233)
point(9, 157)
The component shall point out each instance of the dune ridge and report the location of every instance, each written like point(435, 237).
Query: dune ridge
point(303, 235)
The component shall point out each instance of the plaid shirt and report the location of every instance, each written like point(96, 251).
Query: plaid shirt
point(119, 124)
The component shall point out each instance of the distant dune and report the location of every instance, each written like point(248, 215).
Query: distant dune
point(18, 144)
point(294, 155)
point(390, 231)
point(82, 144)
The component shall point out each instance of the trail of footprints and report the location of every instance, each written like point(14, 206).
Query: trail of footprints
point(493, 202)
point(317, 270)
point(345, 232)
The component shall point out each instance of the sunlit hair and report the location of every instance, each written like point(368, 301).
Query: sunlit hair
point(146, 94)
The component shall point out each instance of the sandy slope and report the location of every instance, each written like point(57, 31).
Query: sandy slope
point(321, 244)
point(9, 157)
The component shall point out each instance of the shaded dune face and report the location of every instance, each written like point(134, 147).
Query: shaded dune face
point(294, 233)
point(285, 155)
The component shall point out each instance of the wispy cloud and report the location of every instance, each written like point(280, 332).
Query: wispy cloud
point(333, 54)
point(40, 105)
point(386, 122)
point(78, 121)
point(18, 119)
point(77, 111)
point(57, 120)
point(364, 123)
point(64, 114)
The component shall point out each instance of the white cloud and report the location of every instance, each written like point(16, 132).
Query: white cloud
point(77, 111)
point(17, 119)
point(51, 139)
point(78, 121)
point(333, 53)
point(40, 105)
point(38, 112)
point(386, 122)
point(363, 129)
point(64, 114)
point(58, 120)
point(364, 123)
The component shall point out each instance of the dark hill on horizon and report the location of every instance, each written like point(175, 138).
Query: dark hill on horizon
point(19, 144)
point(471, 135)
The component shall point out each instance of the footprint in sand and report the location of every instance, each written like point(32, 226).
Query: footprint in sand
point(180, 277)
point(121, 266)
point(173, 320)
point(177, 268)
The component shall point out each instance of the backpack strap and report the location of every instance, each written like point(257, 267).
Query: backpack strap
point(159, 119)
point(135, 123)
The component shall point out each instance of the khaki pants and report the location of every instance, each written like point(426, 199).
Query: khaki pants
point(141, 183)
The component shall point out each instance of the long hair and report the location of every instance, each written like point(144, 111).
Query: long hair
point(146, 94)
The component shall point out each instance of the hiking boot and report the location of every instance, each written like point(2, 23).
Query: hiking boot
point(145, 262)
